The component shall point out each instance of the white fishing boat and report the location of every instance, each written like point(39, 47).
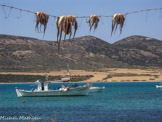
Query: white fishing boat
point(96, 89)
point(44, 91)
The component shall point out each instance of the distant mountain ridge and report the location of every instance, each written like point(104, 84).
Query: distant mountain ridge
point(140, 50)
point(87, 53)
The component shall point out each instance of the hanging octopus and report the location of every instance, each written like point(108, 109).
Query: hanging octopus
point(93, 21)
point(64, 24)
point(118, 19)
point(42, 19)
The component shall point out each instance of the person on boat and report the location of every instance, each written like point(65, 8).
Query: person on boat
point(32, 90)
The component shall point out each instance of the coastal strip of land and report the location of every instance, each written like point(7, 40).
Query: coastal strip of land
point(105, 75)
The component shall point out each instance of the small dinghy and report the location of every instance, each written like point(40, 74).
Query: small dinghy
point(96, 89)
point(159, 86)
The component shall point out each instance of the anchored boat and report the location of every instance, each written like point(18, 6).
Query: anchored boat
point(96, 89)
point(44, 91)
point(159, 86)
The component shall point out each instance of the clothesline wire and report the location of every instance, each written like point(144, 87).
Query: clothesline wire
point(133, 12)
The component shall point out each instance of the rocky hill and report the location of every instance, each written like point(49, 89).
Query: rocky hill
point(87, 53)
point(140, 50)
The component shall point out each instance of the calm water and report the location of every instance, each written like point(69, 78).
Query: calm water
point(125, 102)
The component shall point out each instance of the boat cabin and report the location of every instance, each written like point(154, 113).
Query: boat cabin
point(42, 85)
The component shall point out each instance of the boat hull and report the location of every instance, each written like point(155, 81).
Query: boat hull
point(79, 91)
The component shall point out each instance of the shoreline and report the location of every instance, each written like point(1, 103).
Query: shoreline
point(107, 75)
point(87, 82)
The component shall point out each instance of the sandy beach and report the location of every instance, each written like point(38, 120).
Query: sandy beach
point(107, 75)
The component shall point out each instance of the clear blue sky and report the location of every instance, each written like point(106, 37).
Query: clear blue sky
point(135, 24)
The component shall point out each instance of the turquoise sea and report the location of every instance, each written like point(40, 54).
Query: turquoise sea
point(119, 102)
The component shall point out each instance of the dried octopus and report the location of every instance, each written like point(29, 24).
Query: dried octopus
point(93, 21)
point(118, 19)
point(65, 23)
point(42, 19)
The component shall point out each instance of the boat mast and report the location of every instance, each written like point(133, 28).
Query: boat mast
point(47, 77)
point(68, 72)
